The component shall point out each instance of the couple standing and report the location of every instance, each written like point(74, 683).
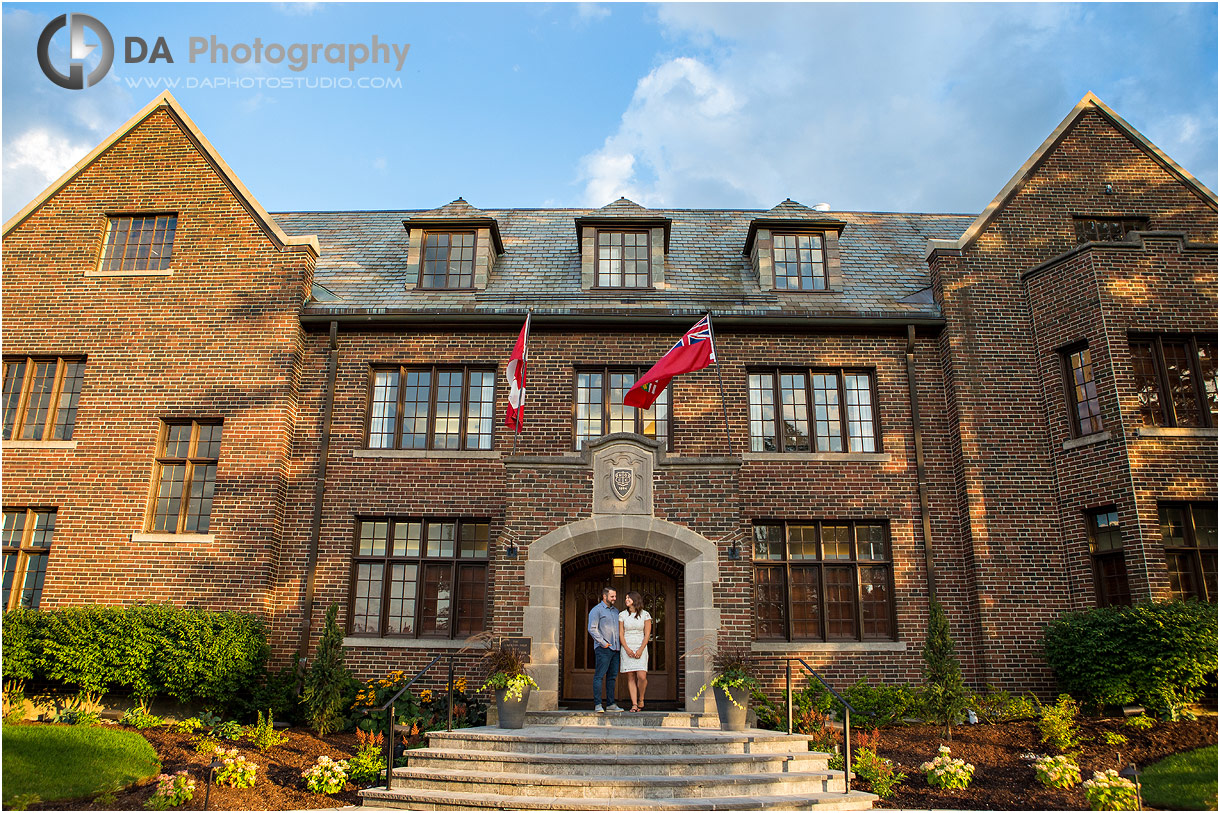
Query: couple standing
point(632, 629)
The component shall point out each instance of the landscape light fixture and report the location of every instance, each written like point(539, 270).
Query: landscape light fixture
point(620, 567)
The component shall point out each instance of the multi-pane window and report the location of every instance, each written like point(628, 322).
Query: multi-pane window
point(800, 262)
point(823, 581)
point(186, 477)
point(448, 260)
point(600, 409)
point(139, 243)
point(1109, 566)
point(815, 410)
point(622, 259)
point(1107, 229)
point(432, 408)
point(1188, 532)
point(419, 578)
point(40, 396)
point(1175, 377)
point(27, 547)
point(1082, 391)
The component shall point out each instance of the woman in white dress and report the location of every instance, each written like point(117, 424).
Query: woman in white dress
point(634, 633)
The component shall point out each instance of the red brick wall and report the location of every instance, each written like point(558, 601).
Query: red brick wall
point(1020, 512)
point(218, 338)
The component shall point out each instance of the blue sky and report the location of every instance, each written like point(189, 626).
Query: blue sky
point(891, 107)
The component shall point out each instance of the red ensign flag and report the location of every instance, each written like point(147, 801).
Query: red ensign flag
point(516, 380)
point(694, 351)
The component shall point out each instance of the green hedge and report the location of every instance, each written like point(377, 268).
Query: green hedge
point(1158, 654)
point(147, 650)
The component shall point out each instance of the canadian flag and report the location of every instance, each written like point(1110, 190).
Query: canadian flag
point(516, 380)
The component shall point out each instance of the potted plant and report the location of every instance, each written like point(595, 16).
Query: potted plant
point(508, 678)
point(733, 682)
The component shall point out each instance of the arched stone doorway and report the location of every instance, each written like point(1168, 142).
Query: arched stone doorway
point(543, 574)
point(658, 580)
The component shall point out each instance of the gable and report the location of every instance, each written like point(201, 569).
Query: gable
point(158, 146)
point(1068, 174)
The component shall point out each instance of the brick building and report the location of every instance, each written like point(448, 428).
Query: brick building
point(210, 405)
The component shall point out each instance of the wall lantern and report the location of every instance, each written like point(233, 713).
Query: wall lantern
point(620, 567)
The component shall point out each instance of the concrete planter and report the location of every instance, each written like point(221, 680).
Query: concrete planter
point(511, 713)
point(732, 715)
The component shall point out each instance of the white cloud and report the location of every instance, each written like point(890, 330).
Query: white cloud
point(587, 13)
point(920, 107)
point(46, 153)
point(297, 9)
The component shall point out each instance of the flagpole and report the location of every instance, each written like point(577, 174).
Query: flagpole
point(720, 378)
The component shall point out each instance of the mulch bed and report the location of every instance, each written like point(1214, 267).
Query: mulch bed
point(1005, 781)
point(278, 786)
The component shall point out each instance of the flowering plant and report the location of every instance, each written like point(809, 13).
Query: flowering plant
point(946, 772)
point(326, 776)
point(505, 669)
point(171, 791)
point(234, 771)
point(734, 669)
point(1057, 772)
point(1109, 791)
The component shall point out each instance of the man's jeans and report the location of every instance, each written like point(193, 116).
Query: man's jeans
point(605, 665)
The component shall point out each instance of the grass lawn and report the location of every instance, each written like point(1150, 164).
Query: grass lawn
point(1185, 781)
point(66, 762)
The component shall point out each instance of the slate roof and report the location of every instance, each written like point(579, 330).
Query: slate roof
point(362, 264)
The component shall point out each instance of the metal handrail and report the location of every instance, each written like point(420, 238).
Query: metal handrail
point(847, 710)
point(389, 740)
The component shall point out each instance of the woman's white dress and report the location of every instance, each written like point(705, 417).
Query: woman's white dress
point(633, 637)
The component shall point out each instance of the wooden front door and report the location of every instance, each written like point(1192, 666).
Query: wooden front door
point(582, 590)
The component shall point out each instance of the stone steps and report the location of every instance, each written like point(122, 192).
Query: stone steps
point(613, 786)
point(449, 800)
point(587, 761)
point(637, 765)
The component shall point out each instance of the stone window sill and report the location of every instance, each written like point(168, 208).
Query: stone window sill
point(1176, 432)
point(164, 272)
point(818, 646)
point(39, 444)
point(405, 643)
point(1087, 440)
point(426, 454)
point(829, 457)
point(175, 539)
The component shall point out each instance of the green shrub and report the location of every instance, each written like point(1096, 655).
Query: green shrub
point(944, 696)
point(235, 771)
point(1057, 772)
point(139, 717)
point(369, 761)
point(1057, 724)
point(1001, 707)
point(263, 734)
point(278, 693)
point(228, 730)
point(146, 650)
point(188, 726)
point(1159, 655)
point(205, 744)
point(1113, 738)
point(1109, 791)
point(883, 705)
point(328, 680)
point(1140, 722)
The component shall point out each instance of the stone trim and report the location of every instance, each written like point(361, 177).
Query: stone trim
point(173, 539)
point(543, 572)
point(39, 444)
point(829, 457)
point(404, 643)
point(762, 259)
point(816, 647)
point(1177, 432)
point(1087, 440)
point(431, 454)
point(163, 272)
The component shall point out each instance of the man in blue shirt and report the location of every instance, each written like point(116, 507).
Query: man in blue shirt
point(603, 626)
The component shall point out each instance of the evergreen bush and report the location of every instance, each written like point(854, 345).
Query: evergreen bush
point(1159, 655)
point(944, 697)
point(328, 680)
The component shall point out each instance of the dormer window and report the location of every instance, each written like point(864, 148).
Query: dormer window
point(623, 259)
point(448, 260)
point(800, 262)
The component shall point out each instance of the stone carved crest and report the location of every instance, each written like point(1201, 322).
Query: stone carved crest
point(622, 481)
